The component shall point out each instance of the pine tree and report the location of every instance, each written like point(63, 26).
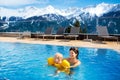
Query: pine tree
point(77, 23)
point(68, 29)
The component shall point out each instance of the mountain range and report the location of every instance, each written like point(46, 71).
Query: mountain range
point(37, 19)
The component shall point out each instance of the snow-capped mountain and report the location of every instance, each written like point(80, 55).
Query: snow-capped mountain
point(30, 11)
point(33, 18)
point(100, 9)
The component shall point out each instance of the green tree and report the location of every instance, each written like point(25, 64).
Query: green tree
point(67, 30)
point(77, 23)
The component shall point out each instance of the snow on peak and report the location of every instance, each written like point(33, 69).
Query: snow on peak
point(30, 11)
point(99, 9)
point(49, 10)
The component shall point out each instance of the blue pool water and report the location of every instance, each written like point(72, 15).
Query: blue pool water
point(29, 62)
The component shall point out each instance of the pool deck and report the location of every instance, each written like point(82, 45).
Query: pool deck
point(63, 42)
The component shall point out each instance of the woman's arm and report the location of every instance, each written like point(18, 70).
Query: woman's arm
point(76, 64)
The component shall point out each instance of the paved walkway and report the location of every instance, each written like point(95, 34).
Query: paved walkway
point(63, 42)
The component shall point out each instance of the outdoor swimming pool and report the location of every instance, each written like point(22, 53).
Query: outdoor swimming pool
point(29, 62)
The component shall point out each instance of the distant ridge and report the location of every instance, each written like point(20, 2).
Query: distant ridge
point(95, 10)
point(37, 19)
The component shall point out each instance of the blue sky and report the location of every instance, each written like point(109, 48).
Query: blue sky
point(55, 3)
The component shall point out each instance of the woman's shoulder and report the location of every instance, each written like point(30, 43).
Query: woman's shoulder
point(78, 61)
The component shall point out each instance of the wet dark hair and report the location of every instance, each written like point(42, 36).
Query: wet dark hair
point(75, 50)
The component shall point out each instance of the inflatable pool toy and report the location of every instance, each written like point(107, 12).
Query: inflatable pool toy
point(64, 66)
point(51, 61)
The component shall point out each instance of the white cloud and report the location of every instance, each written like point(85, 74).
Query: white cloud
point(21, 2)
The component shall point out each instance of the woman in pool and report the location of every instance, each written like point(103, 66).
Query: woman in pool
point(73, 57)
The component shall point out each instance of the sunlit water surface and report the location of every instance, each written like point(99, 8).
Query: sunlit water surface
point(29, 62)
